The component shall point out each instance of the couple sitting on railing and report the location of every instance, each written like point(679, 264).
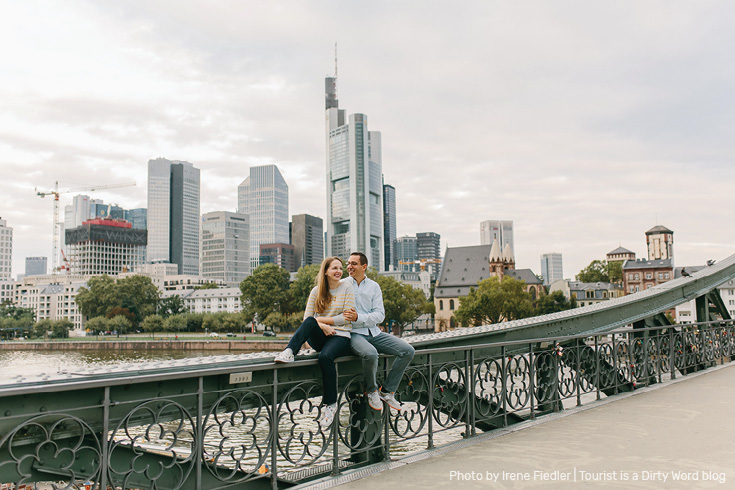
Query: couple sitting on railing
point(341, 318)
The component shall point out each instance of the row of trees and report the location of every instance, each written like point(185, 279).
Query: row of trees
point(16, 321)
point(495, 301)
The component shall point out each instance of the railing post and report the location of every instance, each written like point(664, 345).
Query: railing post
point(579, 374)
point(556, 399)
point(200, 432)
point(430, 406)
point(471, 392)
point(672, 354)
point(104, 439)
point(335, 430)
point(532, 383)
point(597, 366)
point(646, 374)
point(504, 386)
point(274, 431)
point(386, 427)
point(616, 368)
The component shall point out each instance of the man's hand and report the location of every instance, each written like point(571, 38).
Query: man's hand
point(327, 329)
point(350, 315)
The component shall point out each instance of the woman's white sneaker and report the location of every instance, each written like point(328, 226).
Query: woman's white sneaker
point(284, 357)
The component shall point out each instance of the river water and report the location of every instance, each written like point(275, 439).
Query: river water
point(35, 363)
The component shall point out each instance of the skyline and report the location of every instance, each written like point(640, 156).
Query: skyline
point(586, 125)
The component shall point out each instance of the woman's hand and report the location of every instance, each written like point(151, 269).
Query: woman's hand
point(350, 315)
point(327, 329)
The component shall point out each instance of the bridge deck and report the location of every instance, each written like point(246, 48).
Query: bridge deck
point(652, 434)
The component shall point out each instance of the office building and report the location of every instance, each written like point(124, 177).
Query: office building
point(389, 227)
point(36, 266)
point(428, 252)
point(406, 254)
point(52, 297)
point(499, 230)
point(354, 183)
point(137, 217)
point(307, 238)
point(173, 214)
point(6, 261)
point(225, 247)
point(104, 246)
point(263, 195)
point(281, 254)
point(551, 268)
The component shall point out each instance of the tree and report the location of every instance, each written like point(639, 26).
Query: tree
point(151, 324)
point(42, 328)
point(60, 328)
point(615, 271)
point(552, 303)
point(494, 301)
point(595, 272)
point(98, 324)
point(403, 303)
point(276, 321)
point(266, 291)
point(234, 322)
point(120, 324)
point(175, 323)
point(304, 282)
point(172, 305)
point(134, 296)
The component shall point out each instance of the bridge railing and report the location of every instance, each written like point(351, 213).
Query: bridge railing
point(256, 425)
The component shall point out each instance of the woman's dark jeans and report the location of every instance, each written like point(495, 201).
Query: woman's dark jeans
point(329, 349)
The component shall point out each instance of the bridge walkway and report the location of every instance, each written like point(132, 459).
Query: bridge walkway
point(642, 439)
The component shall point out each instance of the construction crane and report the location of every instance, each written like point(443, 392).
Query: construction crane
point(56, 192)
point(422, 262)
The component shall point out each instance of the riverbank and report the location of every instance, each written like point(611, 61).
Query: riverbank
point(142, 345)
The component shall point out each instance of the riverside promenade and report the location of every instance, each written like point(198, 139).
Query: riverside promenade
point(670, 436)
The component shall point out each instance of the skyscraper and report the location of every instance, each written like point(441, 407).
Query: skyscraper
point(307, 237)
point(500, 230)
point(36, 266)
point(428, 248)
point(389, 223)
point(6, 249)
point(104, 246)
point(354, 183)
point(264, 197)
point(551, 268)
point(226, 247)
point(173, 214)
point(406, 252)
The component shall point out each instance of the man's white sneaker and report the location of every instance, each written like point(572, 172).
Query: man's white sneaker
point(327, 416)
point(285, 356)
point(374, 400)
point(390, 399)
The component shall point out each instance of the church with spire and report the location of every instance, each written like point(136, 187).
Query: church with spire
point(464, 267)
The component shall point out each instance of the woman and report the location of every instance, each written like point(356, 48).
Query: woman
point(326, 329)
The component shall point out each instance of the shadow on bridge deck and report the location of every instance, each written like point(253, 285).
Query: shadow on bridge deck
point(644, 439)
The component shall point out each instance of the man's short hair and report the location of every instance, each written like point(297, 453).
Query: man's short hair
point(363, 257)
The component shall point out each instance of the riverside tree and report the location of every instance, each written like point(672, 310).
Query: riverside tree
point(494, 301)
point(134, 297)
point(266, 291)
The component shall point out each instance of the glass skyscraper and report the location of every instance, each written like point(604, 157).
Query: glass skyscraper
point(500, 230)
point(389, 221)
point(264, 197)
point(354, 183)
point(551, 268)
point(173, 214)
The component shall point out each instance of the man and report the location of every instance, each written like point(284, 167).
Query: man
point(368, 340)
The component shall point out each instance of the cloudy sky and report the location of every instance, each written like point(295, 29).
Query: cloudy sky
point(586, 123)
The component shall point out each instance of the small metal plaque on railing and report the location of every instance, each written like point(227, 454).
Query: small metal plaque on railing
point(236, 378)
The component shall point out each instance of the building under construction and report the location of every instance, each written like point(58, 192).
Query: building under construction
point(104, 246)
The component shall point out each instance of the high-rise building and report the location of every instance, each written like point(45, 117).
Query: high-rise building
point(264, 197)
point(173, 214)
point(406, 254)
point(137, 217)
point(551, 268)
point(281, 254)
point(6, 261)
point(428, 249)
point(104, 246)
point(500, 230)
point(6, 249)
point(36, 266)
point(389, 224)
point(354, 183)
point(307, 238)
point(226, 247)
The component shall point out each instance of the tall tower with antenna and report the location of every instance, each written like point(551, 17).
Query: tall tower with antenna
point(354, 181)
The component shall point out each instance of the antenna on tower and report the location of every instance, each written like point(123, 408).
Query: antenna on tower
point(335, 69)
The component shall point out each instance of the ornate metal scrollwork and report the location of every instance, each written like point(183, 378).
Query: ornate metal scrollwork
point(413, 415)
point(237, 436)
point(518, 371)
point(450, 397)
point(52, 444)
point(157, 440)
point(301, 439)
point(489, 386)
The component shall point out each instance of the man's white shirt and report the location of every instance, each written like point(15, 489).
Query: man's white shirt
point(369, 306)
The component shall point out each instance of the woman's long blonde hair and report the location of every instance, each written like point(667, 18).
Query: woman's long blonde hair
point(323, 296)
